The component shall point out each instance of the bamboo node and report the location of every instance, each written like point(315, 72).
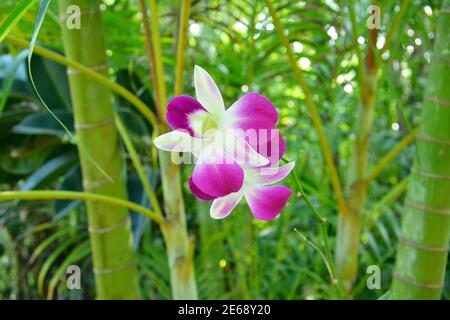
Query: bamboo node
point(419, 206)
point(102, 272)
point(424, 137)
point(93, 184)
point(421, 246)
point(439, 101)
point(93, 125)
point(429, 175)
point(74, 72)
point(441, 58)
point(111, 228)
point(414, 283)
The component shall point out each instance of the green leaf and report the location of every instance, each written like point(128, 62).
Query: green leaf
point(43, 123)
point(49, 171)
point(26, 156)
point(51, 82)
point(72, 181)
point(41, 15)
point(9, 80)
point(52, 258)
point(80, 252)
point(14, 17)
point(386, 296)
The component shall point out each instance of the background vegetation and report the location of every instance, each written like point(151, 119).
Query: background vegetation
point(306, 56)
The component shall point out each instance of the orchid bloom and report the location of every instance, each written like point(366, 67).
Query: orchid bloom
point(204, 128)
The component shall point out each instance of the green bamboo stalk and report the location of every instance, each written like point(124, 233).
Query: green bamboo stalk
point(113, 258)
point(180, 249)
point(423, 247)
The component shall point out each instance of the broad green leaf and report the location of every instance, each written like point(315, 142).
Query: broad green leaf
point(50, 171)
point(72, 181)
point(51, 82)
point(43, 123)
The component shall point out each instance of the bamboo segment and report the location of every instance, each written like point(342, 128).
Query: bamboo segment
point(423, 248)
point(113, 258)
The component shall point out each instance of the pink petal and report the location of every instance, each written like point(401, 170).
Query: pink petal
point(198, 193)
point(218, 178)
point(222, 207)
point(252, 111)
point(267, 202)
point(180, 109)
point(273, 175)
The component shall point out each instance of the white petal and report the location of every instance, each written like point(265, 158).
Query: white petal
point(222, 207)
point(177, 140)
point(273, 175)
point(207, 92)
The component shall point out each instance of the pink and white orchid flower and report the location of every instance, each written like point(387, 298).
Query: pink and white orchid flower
point(204, 128)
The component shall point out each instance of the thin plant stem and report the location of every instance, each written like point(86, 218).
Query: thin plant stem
point(150, 55)
point(322, 255)
point(382, 164)
point(138, 165)
point(181, 46)
point(75, 195)
point(394, 27)
point(361, 70)
point(314, 114)
point(158, 64)
point(179, 247)
point(323, 229)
